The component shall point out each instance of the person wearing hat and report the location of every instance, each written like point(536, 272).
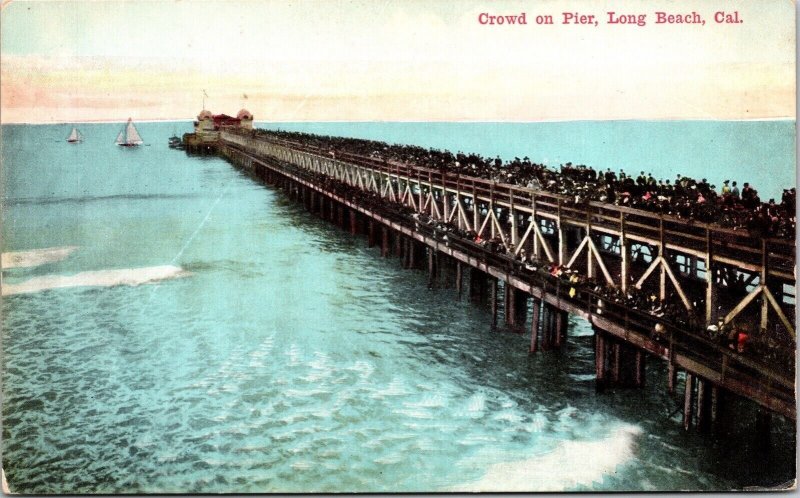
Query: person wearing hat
point(726, 189)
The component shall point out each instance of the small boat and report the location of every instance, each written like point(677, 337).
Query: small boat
point(175, 142)
point(75, 137)
point(129, 136)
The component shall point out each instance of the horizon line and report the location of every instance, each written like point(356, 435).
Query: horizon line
point(564, 120)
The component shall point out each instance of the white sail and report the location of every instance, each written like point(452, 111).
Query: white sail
point(121, 138)
point(75, 136)
point(132, 136)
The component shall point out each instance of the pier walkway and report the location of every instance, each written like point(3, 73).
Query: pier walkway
point(652, 286)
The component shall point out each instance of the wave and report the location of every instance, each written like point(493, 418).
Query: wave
point(570, 465)
point(35, 257)
point(100, 278)
point(95, 198)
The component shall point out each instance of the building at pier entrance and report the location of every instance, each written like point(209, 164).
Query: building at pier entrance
point(208, 125)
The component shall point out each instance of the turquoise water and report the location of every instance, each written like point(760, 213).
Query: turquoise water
point(291, 357)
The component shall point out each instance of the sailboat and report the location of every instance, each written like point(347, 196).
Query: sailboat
point(75, 137)
point(129, 137)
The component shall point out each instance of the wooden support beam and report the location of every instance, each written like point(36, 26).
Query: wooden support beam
point(711, 286)
point(763, 282)
point(703, 405)
point(384, 242)
point(483, 225)
point(653, 265)
point(398, 244)
point(521, 243)
point(459, 278)
point(353, 222)
point(678, 288)
point(743, 304)
point(497, 229)
point(545, 245)
point(431, 267)
point(716, 407)
point(577, 252)
point(600, 263)
point(514, 230)
point(639, 368)
point(672, 377)
point(536, 308)
point(558, 328)
point(370, 233)
point(545, 325)
point(494, 303)
point(688, 401)
point(599, 359)
point(475, 210)
point(625, 254)
point(508, 305)
point(779, 311)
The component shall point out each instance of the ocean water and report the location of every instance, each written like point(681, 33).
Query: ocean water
point(171, 325)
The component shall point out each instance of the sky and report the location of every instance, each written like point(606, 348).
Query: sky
point(395, 60)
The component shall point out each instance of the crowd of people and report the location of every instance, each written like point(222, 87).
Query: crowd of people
point(686, 198)
point(604, 299)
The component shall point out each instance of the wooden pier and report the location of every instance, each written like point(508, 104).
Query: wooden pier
point(605, 255)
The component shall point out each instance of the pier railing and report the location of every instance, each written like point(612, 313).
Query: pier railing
point(698, 262)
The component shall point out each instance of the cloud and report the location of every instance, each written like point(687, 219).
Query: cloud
point(406, 61)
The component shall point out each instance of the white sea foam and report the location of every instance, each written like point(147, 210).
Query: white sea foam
point(569, 465)
point(35, 257)
point(100, 278)
point(476, 404)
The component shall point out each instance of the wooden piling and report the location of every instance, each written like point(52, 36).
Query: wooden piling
point(716, 407)
point(384, 242)
point(431, 267)
point(371, 233)
point(494, 303)
point(398, 245)
point(672, 377)
point(535, 305)
point(547, 327)
point(599, 359)
point(520, 309)
point(508, 305)
point(353, 222)
point(639, 369)
point(703, 405)
point(459, 278)
point(688, 401)
point(615, 360)
point(560, 328)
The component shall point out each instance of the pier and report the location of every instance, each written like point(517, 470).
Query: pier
point(591, 259)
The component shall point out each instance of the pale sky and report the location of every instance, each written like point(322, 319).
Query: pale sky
point(397, 60)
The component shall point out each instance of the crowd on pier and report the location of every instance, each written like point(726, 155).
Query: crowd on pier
point(687, 198)
point(667, 314)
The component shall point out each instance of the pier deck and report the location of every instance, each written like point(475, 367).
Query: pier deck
point(713, 275)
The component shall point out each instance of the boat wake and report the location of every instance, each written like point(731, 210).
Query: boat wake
point(570, 465)
point(100, 278)
point(35, 257)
